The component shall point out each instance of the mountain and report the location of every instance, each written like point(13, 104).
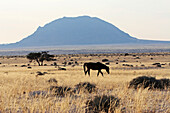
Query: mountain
point(82, 30)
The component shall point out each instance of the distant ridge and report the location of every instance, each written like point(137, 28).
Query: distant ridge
point(82, 30)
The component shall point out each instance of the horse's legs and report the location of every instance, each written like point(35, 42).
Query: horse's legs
point(88, 71)
point(98, 73)
point(101, 72)
point(85, 72)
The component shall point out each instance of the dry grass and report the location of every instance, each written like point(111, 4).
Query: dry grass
point(22, 91)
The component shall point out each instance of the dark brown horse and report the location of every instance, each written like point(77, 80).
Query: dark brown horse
point(95, 66)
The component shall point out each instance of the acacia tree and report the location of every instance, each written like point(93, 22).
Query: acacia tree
point(40, 57)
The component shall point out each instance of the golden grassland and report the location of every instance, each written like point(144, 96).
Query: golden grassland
point(17, 83)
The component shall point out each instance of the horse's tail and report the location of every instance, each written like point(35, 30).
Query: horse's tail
point(84, 67)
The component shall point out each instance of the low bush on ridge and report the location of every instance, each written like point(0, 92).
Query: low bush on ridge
point(149, 82)
point(60, 90)
point(85, 87)
point(102, 104)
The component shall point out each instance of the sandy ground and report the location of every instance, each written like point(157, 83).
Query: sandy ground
point(17, 81)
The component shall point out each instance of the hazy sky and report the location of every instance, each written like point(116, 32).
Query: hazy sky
point(144, 19)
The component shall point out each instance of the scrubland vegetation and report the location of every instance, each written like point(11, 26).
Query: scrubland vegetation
point(60, 86)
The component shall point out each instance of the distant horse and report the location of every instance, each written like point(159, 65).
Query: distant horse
point(95, 66)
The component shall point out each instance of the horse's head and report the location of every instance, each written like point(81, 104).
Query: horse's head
point(107, 70)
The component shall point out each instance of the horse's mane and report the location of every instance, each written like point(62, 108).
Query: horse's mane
point(102, 64)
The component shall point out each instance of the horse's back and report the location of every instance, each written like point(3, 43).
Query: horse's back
point(93, 65)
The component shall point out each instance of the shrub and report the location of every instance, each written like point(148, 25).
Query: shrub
point(40, 73)
point(61, 68)
point(105, 60)
point(69, 63)
point(102, 103)
point(165, 83)
point(23, 66)
point(149, 82)
point(85, 87)
point(52, 80)
point(126, 54)
point(156, 64)
point(60, 90)
point(37, 93)
point(137, 58)
point(159, 65)
point(29, 67)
